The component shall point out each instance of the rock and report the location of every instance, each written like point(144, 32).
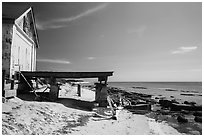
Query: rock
point(6, 108)
point(197, 113)
point(187, 94)
point(194, 132)
point(139, 87)
point(164, 112)
point(198, 119)
point(165, 103)
point(186, 102)
point(172, 96)
point(169, 89)
point(192, 103)
point(185, 111)
point(174, 101)
point(179, 107)
point(182, 119)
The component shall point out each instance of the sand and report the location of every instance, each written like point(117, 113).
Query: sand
point(45, 118)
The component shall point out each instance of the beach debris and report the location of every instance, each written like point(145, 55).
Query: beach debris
point(182, 119)
point(198, 119)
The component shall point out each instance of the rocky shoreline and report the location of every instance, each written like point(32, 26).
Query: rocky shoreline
point(185, 116)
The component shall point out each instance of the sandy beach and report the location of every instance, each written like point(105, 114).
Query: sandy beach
point(44, 118)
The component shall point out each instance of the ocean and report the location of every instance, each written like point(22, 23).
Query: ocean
point(183, 91)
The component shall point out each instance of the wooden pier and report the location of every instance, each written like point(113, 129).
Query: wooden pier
point(101, 86)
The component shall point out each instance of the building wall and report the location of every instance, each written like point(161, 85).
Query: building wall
point(7, 33)
point(21, 52)
point(19, 45)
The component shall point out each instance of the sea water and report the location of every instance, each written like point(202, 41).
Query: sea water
point(178, 90)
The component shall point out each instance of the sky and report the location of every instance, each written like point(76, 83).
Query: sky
point(138, 41)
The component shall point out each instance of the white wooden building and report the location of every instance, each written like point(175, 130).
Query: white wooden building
point(19, 39)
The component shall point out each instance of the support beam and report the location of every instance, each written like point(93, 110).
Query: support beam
point(54, 89)
point(48, 74)
point(3, 83)
point(79, 90)
point(101, 94)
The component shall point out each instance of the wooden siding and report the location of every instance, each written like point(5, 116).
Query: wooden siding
point(7, 33)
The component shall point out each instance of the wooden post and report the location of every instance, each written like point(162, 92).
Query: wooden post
point(79, 90)
point(3, 82)
point(36, 81)
point(12, 82)
point(54, 89)
point(101, 94)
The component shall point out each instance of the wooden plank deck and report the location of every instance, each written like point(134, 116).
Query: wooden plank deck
point(47, 74)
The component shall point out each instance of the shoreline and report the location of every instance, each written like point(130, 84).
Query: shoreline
point(65, 118)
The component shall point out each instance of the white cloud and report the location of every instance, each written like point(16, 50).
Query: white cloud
point(53, 61)
point(63, 22)
point(91, 58)
point(182, 50)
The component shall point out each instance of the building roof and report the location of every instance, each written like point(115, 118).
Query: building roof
point(12, 11)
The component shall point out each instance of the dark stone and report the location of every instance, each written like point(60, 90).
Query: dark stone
point(174, 101)
point(179, 107)
point(185, 111)
point(188, 94)
point(192, 103)
point(197, 113)
point(140, 87)
point(182, 119)
point(198, 119)
point(171, 90)
point(172, 96)
point(165, 103)
point(186, 102)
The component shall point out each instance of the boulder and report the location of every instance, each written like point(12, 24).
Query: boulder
point(182, 119)
point(186, 102)
point(191, 103)
point(197, 113)
point(198, 119)
point(179, 107)
point(194, 132)
point(165, 103)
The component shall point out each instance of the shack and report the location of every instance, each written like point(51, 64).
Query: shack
point(19, 44)
point(19, 39)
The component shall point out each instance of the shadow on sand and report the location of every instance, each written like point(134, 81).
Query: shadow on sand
point(68, 102)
